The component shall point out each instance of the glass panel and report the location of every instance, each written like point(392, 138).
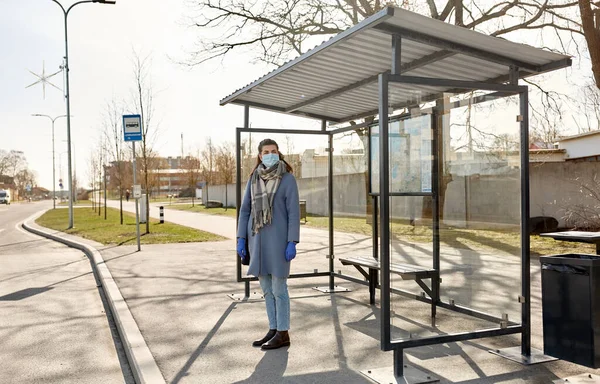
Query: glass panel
point(410, 154)
point(480, 207)
point(479, 216)
point(410, 247)
point(306, 154)
point(352, 205)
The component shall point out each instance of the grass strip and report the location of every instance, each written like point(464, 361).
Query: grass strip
point(78, 202)
point(459, 238)
point(89, 225)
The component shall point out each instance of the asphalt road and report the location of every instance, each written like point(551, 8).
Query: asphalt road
point(53, 326)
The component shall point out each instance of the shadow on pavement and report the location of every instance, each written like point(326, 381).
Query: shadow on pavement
point(184, 370)
point(24, 293)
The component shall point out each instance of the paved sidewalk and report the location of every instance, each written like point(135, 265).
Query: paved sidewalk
point(220, 225)
point(178, 295)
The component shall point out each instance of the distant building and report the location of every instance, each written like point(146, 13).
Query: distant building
point(582, 147)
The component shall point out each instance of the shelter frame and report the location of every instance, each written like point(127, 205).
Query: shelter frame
point(382, 220)
point(505, 85)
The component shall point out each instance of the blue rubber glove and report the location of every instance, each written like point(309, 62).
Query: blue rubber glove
point(241, 248)
point(290, 251)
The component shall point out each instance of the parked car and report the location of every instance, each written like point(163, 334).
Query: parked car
point(4, 197)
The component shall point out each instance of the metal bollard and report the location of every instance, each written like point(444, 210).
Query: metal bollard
point(162, 214)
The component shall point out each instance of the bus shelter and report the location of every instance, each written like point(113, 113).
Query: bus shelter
point(424, 129)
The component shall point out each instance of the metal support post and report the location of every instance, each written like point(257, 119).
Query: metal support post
point(238, 194)
point(330, 206)
point(105, 192)
point(68, 102)
point(384, 215)
point(137, 212)
point(398, 362)
point(238, 198)
point(52, 119)
point(68, 98)
point(437, 174)
point(525, 258)
point(53, 170)
point(396, 54)
point(375, 229)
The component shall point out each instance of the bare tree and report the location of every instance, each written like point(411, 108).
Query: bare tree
point(93, 171)
point(208, 158)
point(225, 166)
point(11, 162)
point(191, 166)
point(143, 102)
point(587, 105)
point(585, 215)
point(113, 133)
point(23, 178)
point(276, 30)
point(590, 24)
point(100, 170)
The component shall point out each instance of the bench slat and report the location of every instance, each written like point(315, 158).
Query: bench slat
point(401, 269)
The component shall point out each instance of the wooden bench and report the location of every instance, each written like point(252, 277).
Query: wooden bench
point(576, 236)
point(406, 272)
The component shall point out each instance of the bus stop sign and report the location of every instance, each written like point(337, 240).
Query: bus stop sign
point(132, 127)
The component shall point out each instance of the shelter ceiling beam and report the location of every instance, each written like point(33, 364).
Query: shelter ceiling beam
point(455, 47)
point(455, 90)
point(418, 63)
point(452, 83)
point(282, 110)
point(454, 104)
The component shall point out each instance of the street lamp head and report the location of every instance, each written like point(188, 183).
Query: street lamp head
point(105, 1)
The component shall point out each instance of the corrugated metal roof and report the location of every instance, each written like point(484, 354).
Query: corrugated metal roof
point(580, 135)
point(337, 80)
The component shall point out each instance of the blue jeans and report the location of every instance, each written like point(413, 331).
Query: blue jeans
point(277, 300)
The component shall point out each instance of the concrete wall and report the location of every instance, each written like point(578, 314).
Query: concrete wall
point(554, 186)
point(483, 199)
point(492, 199)
point(217, 193)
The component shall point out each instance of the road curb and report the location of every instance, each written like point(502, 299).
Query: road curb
point(143, 365)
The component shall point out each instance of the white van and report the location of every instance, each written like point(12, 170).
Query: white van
point(4, 197)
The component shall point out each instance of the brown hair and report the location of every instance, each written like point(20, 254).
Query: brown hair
point(271, 142)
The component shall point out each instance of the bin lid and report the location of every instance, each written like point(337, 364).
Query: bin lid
point(572, 259)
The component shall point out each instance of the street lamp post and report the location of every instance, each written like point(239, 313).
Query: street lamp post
point(53, 166)
point(68, 96)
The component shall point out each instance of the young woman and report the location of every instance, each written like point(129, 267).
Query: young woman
point(269, 223)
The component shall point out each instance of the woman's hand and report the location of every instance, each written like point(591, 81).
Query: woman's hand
point(290, 251)
point(241, 248)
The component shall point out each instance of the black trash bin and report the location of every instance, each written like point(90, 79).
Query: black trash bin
point(570, 308)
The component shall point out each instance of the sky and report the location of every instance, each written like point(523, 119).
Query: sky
point(102, 39)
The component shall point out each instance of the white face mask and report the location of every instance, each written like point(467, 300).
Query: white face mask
point(270, 159)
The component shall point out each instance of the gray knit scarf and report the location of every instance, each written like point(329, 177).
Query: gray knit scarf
point(264, 183)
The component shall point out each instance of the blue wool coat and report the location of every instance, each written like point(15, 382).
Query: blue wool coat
point(267, 247)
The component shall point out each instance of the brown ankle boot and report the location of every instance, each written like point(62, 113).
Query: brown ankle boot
point(268, 336)
point(281, 339)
